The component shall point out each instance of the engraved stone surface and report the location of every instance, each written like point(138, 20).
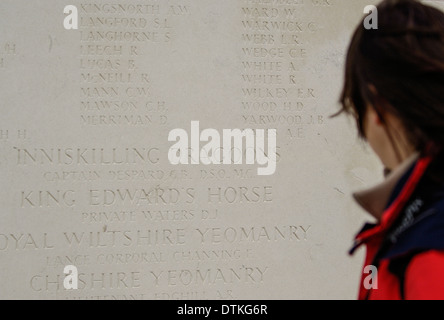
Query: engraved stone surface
point(84, 169)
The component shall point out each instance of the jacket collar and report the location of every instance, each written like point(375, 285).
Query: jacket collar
point(375, 199)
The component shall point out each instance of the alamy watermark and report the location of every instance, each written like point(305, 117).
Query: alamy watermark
point(71, 281)
point(71, 20)
point(225, 148)
point(371, 20)
point(371, 280)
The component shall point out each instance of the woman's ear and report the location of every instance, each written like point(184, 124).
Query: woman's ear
point(377, 118)
point(377, 111)
point(373, 117)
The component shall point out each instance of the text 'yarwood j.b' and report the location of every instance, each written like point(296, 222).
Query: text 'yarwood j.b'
point(230, 150)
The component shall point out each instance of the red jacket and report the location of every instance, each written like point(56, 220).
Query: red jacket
point(406, 245)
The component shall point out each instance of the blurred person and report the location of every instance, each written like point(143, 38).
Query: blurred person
point(394, 89)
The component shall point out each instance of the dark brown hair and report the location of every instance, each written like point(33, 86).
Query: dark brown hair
point(404, 61)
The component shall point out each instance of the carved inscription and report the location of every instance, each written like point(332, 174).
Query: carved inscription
point(84, 157)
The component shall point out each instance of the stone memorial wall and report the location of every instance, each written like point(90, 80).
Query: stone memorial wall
point(178, 149)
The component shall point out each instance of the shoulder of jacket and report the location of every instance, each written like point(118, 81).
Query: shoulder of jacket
point(424, 233)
